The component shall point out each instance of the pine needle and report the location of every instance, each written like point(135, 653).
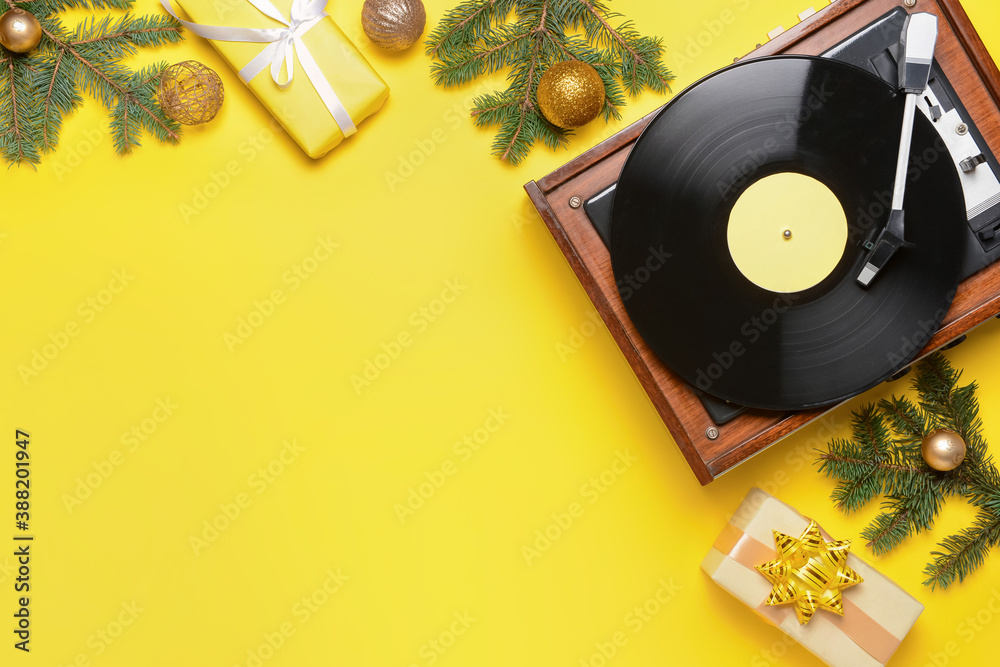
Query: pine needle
point(526, 37)
point(879, 462)
point(38, 90)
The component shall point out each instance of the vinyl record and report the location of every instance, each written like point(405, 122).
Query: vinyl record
point(670, 238)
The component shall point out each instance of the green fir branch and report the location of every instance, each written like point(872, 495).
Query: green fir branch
point(42, 8)
point(61, 97)
point(526, 37)
point(466, 24)
point(19, 121)
point(904, 515)
point(963, 552)
point(905, 418)
point(639, 56)
point(876, 462)
point(52, 79)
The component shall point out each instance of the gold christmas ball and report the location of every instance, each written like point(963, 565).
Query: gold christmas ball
point(190, 93)
point(395, 25)
point(943, 449)
point(570, 94)
point(20, 31)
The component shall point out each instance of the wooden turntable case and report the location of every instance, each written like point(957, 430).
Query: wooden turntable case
point(557, 197)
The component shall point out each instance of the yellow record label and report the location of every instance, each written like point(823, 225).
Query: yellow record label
point(787, 232)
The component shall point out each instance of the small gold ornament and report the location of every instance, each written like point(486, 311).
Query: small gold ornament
point(190, 93)
point(570, 94)
point(395, 25)
point(943, 449)
point(809, 572)
point(20, 31)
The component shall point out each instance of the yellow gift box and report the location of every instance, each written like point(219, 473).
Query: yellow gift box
point(877, 613)
point(299, 108)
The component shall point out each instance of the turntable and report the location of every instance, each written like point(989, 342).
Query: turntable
point(794, 229)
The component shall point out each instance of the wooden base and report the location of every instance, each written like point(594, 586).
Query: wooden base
point(968, 66)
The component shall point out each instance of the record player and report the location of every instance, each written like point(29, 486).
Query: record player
point(651, 219)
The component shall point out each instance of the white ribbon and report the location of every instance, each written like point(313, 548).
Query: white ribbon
point(281, 44)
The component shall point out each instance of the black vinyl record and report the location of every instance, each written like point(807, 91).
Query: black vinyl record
point(694, 307)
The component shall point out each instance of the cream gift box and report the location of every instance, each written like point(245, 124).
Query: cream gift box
point(877, 613)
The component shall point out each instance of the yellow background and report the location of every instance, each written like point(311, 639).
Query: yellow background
point(455, 214)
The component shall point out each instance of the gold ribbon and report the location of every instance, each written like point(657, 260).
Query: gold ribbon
point(855, 623)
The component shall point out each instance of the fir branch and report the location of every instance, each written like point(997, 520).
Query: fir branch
point(474, 39)
point(465, 65)
point(490, 109)
point(128, 31)
point(109, 84)
point(59, 100)
point(87, 59)
point(904, 417)
point(639, 56)
point(964, 552)
point(904, 515)
point(16, 111)
point(510, 143)
point(874, 463)
point(864, 463)
point(466, 24)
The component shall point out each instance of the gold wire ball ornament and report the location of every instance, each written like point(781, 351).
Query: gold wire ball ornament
point(395, 25)
point(570, 94)
point(190, 93)
point(20, 31)
point(943, 450)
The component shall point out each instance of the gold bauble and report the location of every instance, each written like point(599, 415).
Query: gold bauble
point(20, 31)
point(395, 25)
point(943, 449)
point(190, 92)
point(570, 94)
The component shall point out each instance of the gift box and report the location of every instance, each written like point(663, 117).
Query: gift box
point(745, 561)
point(332, 87)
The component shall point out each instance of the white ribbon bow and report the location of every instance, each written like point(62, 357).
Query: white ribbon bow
point(282, 43)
